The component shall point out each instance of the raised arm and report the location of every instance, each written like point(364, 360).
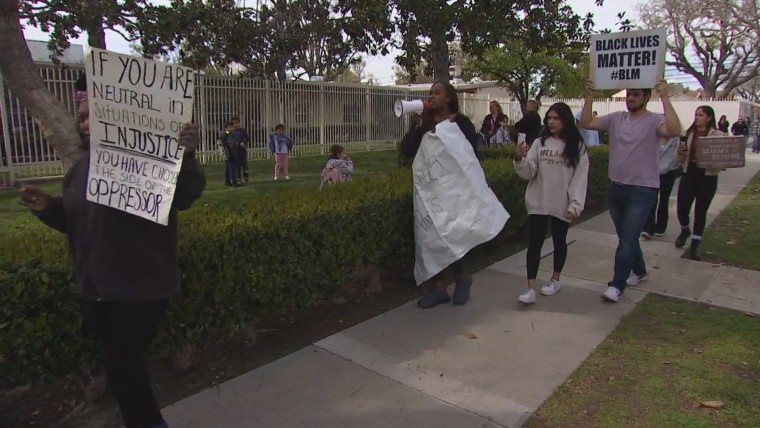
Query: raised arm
point(672, 125)
point(588, 121)
point(526, 164)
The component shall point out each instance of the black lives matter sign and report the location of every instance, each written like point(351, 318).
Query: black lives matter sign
point(137, 108)
point(633, 59)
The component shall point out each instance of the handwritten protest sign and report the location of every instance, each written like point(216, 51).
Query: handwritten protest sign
point(633, 59)
point(720, 152)
point(137, 108)
point(454, 209)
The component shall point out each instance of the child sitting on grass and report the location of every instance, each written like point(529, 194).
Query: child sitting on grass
point(338, 168)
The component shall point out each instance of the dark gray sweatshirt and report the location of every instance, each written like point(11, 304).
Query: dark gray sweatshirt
point(120, 257)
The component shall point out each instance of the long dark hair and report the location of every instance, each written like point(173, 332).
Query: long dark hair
point(570, 134)
point(710, 123)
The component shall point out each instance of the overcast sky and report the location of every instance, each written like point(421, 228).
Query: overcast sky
point(381, 67)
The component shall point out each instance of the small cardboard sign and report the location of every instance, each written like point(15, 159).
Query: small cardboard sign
point(632, 59)
point(720, 152)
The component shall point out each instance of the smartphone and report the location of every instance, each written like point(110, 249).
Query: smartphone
point(683, 140)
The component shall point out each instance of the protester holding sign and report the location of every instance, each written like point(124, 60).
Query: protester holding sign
point(454, 208)
point(635, 138)
point(556, 166)
point(125, 269)
point(697, 184)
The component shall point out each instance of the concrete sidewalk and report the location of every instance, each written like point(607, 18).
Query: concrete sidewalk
point(490, 363)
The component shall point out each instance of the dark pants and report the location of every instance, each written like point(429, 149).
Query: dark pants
point(658, 217)
point(537, 232)
point(230, 172)
point(629, 209)
point(457, 268)
point(696, 186)
point(124, 331)
point(242, 165)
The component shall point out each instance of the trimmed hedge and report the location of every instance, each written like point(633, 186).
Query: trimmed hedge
point(286, 251)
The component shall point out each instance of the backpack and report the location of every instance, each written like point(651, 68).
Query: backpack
point(331, 175)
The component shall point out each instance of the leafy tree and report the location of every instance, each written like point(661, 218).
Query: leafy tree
point(716, 42)
point(281, 38)
point(544, 53)
point(427, 27)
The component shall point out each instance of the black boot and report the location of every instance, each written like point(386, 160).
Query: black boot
point(681, 240)
point(694, 250)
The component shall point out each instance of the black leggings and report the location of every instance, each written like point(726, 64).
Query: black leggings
point(537, 233)
point(696, 186)
point(124, 331)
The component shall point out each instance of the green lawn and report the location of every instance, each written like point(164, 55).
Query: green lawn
point(304, 172)
point(664, 360)
point(734, 237)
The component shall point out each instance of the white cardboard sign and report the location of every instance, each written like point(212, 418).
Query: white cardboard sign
point(137, 108)
point(631, 59)
point(454, 209)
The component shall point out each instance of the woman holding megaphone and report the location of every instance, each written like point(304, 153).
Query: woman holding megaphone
point(442, 105)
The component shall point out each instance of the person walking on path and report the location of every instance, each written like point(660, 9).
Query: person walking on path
point(556, 167)
point(657, 223)
point(754, 132)
point(740, 128)
point(444, 105)
point(698, 185)
point(633, 169)
point(723, 124)
point(530, 124)
point(125, 268)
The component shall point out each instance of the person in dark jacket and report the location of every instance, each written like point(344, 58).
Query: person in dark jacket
point(231, 154)
point(492, 122)
point(444, 105)
point(240, 140)
point(125, 269)
point(531, 122)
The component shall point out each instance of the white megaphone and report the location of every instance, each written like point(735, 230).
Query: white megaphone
point(402, 107)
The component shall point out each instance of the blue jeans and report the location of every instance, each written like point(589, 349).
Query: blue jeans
point(230, 173)
point(757, 144)
point(629, 208)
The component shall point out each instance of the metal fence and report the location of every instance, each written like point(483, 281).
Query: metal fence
point(316, 115)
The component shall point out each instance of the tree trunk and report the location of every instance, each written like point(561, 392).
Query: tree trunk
point(96, 34)
point(440, 54)
point(23, 78)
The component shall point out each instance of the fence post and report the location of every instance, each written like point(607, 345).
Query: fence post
point(6, 133)
point(322, 141)
point(268, 109)
point(368, 115)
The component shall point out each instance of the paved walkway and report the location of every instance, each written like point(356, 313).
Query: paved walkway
point(491, 363)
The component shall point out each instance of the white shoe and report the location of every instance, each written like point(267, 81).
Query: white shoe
point(529, 297)
point(635, 280)
point(646, 235)
point(275, 178)
point(612, 294)
point(287, 177)
point(551, 287)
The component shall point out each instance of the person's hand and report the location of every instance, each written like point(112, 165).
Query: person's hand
point(521, 150)
point(189, 136)
point(662, 89)
point(34, 198)
point(590, 89)
point(682, 149)
point(570, 216)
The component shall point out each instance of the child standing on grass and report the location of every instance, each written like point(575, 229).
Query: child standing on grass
point(556, 167)
point(338, 168)
point(280, 145)
point(231, 155)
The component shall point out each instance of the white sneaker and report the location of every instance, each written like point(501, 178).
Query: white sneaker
point(529, 297)
point(646, 235)
point(287, 177)
point(551, 287)
point(611, 295)
point(635, 280)
point(275, 178)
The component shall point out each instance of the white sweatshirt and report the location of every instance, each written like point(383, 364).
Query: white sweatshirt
point(554, 187)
